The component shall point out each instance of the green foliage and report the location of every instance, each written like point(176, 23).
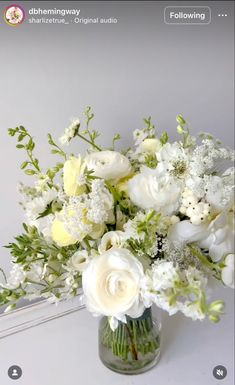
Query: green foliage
point(183, 131)
point(149, 127)
point(151, 160)
point(88, 135)
point(55, 148)
point(32, 246)
point(115, 139)
point(30, 165)
point(164, 138)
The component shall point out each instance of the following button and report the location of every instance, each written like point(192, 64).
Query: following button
point(187, 15)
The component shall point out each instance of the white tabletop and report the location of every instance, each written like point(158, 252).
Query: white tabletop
point(64, 352)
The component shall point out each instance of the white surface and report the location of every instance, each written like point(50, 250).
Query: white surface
point(34, 314)
point(64, 352)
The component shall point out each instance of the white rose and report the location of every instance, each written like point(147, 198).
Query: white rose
point(108, 164)
point(150, 145)
point(111, 239)
point(150, 191)
point(111, 284)
point(227, 273)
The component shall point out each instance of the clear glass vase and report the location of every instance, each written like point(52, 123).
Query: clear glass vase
point(134, 347)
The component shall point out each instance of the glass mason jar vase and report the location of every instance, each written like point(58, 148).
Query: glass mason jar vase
point(134, 347)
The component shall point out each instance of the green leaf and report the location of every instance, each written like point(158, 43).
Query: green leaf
point(21, 137)
point(19, 146)
point(180, 120)
point(11, 131)
point(50, 140)
point(55, 152)
point(46, 212)
point(23, 165)
point(30, 172)
point(164, 138)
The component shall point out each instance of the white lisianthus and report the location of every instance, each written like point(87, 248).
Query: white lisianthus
point(217, 237)
point(150, 145)
point(78, 261)
point(227, 273)
point(73, 170)
point(148, 190)
point(108, 164)
point(111, 285)
point(111, 239)
point(220, 238)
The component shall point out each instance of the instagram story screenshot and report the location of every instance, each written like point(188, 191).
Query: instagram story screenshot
point(117, 192)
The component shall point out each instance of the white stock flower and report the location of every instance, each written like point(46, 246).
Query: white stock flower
point(111, 284)
point(108, 164)
point(111, 239)
point(17, 276)
point(163, 275)
point(150, 190)
point(156, 283)
point(227, 273)
point(192, 310)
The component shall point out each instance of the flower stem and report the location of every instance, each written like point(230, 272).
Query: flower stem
point(132, 345)
point(89, 141)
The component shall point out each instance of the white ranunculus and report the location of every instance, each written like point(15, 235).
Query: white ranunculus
point(111, 284)
point(151, 191)
point(227, 273)
point(217, 237)
point(111, 239)
point(108, 164)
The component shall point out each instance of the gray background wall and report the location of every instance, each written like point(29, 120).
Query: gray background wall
point(126, 71)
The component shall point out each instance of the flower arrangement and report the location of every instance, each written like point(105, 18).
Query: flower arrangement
point(148, 225)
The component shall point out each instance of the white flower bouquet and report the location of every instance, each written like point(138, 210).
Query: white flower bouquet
point(148, 225)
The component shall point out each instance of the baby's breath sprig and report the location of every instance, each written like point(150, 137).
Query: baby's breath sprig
point(30, 166)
